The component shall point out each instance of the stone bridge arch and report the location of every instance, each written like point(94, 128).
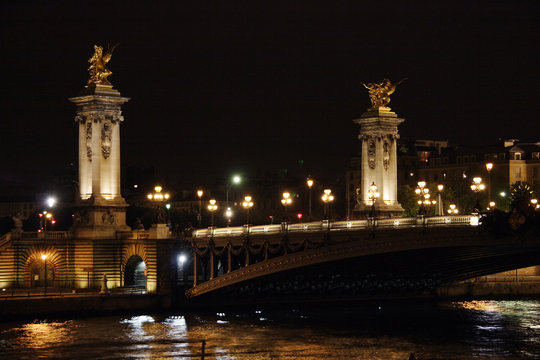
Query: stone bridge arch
point(133, 256)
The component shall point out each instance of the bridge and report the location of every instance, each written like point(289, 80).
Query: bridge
point(350, 258)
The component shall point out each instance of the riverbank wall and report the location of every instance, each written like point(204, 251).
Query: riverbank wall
point(81, 305)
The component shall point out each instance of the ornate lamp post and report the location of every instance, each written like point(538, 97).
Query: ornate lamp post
point(489, 166)
point(373, 194)
point(212, 207)
point(247, 204)
point(286, 201)
point(44, 258)
point(440, 208)
point(452, 210)
point(200, 193)
point(309, 184)
point(423, 192)
point(157, 195)
point(327, 197)
point(477, 186)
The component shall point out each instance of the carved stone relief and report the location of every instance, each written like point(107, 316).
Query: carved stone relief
point(106, 138)
point(386, 154)
point(371, 153)
point(108, 218)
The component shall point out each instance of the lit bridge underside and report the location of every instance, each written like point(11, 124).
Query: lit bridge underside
point(350, 258)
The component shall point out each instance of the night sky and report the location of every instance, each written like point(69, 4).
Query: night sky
point(220, 86)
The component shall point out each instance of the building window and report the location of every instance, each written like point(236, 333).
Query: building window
point(536, 155)
point(518, 172)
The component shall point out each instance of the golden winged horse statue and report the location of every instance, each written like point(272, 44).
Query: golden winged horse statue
point(379, 93)
point(98, 69)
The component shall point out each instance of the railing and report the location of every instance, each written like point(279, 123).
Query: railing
point(42, 234)
point(346, 225)
point(133, 235)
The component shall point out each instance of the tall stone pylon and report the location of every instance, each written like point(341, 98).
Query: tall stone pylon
point(101, 209)
point(379, 135)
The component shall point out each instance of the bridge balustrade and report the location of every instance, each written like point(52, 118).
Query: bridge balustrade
point(343, 225)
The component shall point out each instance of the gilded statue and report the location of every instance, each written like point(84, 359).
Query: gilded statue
point(98, 69)
point(379, 93)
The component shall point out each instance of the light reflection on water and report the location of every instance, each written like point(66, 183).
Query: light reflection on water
point(458, 330)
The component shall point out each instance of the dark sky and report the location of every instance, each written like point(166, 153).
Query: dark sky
point(217, 86)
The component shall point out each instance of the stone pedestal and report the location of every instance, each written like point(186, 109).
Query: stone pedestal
point(379, 134)
point(101, 209)
point(159, 231)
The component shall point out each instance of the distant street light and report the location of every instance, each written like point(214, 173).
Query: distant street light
point(228, 214)
point(440, 208)
point(286, 201)
point(453, 210)
point(310, 185)
point(373, 194)
point(247, 204)
point(327, 198)
point(423, 192)
point(51, 201)
point(236, 179)
point(168, 207)
point(489, 166)
point(46, 216)
point(476, 187)
point(199, 215)
point(157, 195)
point(212, 207)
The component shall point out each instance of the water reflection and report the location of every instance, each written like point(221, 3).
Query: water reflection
point(459, 330)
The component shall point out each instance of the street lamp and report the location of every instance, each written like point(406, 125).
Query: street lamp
point(477, 186)
point(453, 210)
point(44, 258)
point(423, 192)
point(51, 201)
point(247, 204)
point(157, 195)
point(168, 207)
point(373, 194)
point(327, 198)
point(199, 215)
point(489, 166)
point(440, 209)
point(46, 216)
point(236, 179)
point(534, 203)
point(228, 214)
point(310, 184)
point(212, 206)
point(286, 201)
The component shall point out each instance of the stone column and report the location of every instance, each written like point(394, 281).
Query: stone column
point(101, 208)
point(378, 134)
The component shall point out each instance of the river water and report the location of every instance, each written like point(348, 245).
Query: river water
point(447, 330)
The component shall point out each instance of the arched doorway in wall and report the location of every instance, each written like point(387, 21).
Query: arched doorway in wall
point(135, 272)
point(41, 274)
point(41, 268)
